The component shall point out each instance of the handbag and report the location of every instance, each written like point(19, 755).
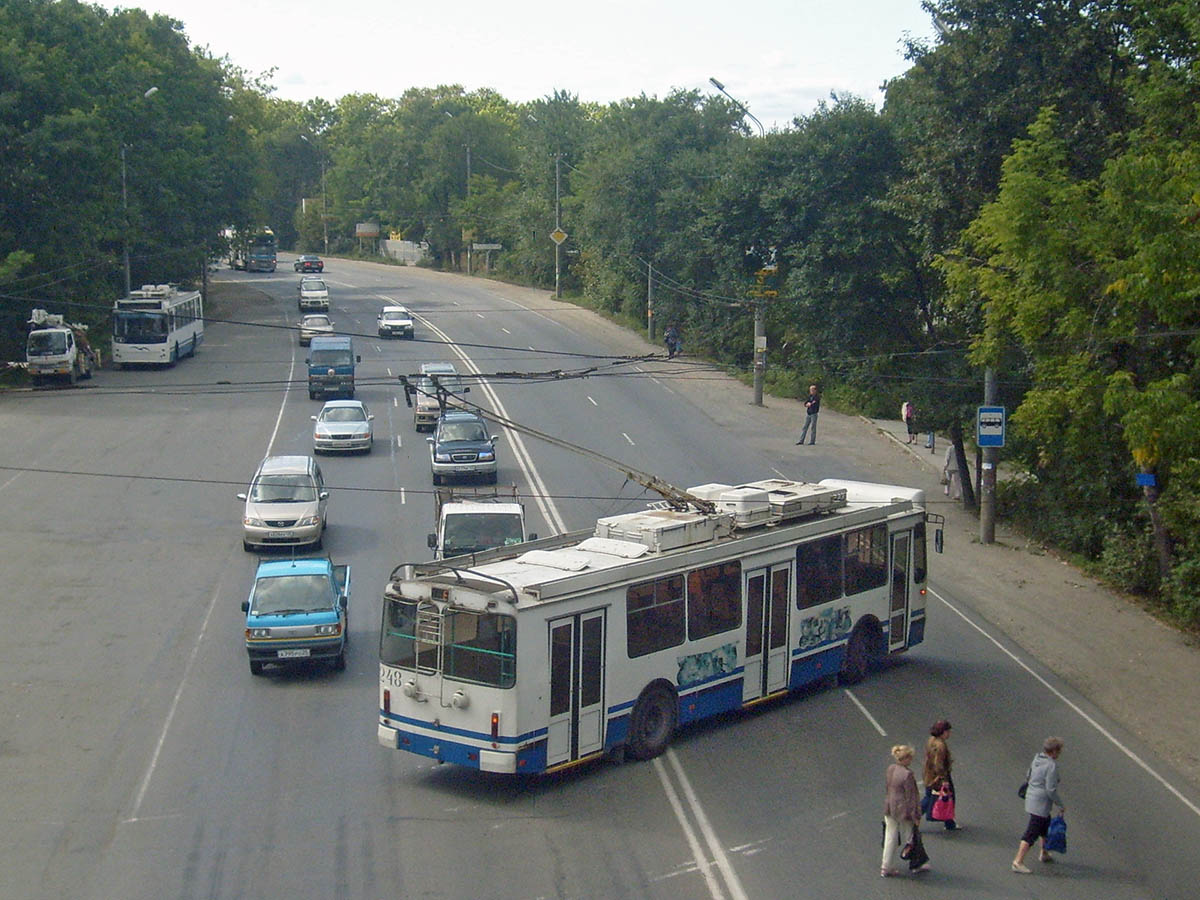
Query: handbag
point(1056, 835)
point(914, 850)
point(943, 807)
point(1022, 789)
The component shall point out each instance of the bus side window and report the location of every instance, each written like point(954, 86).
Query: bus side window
point(654, 615)
point(714, 600)
point(866, 559)
point(818, 572)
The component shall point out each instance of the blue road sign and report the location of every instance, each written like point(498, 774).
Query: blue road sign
point(989, 426)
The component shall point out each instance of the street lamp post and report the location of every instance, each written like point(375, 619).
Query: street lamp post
point(324, 210)
point(720, 87)
point(150, 92)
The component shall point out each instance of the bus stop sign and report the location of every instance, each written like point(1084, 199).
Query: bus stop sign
point(989, 426)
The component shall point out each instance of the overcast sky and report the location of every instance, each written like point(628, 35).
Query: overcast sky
point(778, 57)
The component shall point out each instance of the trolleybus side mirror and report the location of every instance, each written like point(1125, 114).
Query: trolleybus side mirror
point(245, 606)
point(431, 540)
point(938, 540)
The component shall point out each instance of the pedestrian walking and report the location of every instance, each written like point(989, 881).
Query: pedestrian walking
point(1041, 795)
point(950, 474)
point(901, 811)
point(672, 340)
point(908, 413)
point(812, 406)
point(937, 777)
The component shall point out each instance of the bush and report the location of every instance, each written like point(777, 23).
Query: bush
point(1128, 560)
point(1181, 592)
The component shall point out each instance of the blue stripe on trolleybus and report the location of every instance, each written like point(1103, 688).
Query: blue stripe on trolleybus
point(483, 737)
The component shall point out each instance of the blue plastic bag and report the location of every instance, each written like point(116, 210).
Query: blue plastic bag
point(1056, 835)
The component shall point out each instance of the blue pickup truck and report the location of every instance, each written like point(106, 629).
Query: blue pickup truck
point(331, 362)
point(297, 610)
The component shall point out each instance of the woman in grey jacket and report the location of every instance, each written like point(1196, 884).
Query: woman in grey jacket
point(1040, 796)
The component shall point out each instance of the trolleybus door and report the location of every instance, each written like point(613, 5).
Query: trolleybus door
point(898, 614)
point(576, 725)
point(768, 599)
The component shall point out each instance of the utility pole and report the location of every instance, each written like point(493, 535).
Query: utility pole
point(557, 226)
point(468, 243)
point(761, 292)
point(650, 301)
point(987, 478)
point(125, 216)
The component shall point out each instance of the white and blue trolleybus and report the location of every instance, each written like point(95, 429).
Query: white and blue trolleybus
point(157, 324)
point(539, 656)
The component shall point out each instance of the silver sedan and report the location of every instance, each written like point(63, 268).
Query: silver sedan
point(343, 425)
point(314, 326)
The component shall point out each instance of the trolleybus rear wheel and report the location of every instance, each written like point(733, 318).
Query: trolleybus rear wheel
point(653, 722)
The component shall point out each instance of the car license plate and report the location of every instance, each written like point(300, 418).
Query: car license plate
point(283, 534)
point(293, 654)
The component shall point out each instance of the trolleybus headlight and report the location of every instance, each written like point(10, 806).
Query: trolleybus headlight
point(460, 700)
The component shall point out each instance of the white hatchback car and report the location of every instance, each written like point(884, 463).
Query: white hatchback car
point(343, 425)
point(286, 504)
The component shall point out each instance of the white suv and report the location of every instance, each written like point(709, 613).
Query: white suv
point(285, 504)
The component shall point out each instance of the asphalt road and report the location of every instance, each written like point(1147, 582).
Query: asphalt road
point(140, 759)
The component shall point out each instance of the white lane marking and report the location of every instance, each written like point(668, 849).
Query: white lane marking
point(593, 402)
point(552, 516)
point(399, 441)
point(780, 474)
point(702, 863)
point(710, 836)
point(506, 331)
point(628, 438)
point(1112, 739)
point(162, 737)
point(479, 315)
point(10, 481)
point(541, 494)
point(187, 669)
point(388, 369)
point(862, 709)
point(403, 496)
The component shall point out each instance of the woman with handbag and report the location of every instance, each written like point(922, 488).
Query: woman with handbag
point(901, 811)
point(1041, 794)
point(939, 785)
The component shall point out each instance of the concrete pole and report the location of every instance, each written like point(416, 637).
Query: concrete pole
point(125, 216)
point(557, 227)
point(760, 352)
point(987, 478)
point(650, 324)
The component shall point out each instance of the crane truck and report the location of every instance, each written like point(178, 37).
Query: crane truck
point(58, 349)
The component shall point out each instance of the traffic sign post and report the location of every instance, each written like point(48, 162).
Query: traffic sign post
point(990, 426)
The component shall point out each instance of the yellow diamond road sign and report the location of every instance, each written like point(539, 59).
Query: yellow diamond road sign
point(558, 235)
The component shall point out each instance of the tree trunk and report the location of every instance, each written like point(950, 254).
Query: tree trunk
point(1163, 545)
point(964, 474)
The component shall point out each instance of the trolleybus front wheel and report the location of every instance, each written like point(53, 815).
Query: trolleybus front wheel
point(653, 722)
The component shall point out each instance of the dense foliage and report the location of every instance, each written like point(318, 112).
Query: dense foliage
point(1027, 199)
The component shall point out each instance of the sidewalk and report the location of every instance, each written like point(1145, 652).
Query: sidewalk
point(1138, 671)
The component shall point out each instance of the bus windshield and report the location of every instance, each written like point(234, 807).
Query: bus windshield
point(140, 327)
point(472, 532)
point(476, 647)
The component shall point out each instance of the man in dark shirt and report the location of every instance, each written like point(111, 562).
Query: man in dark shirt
point(813, 406)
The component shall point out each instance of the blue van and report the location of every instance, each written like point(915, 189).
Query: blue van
point(297, 610)
point(331, 362)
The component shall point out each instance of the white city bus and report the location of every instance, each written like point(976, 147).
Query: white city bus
point(157, 324)
point(539, 656)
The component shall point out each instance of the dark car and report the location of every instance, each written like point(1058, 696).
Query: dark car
point(309, 264)
point(461, 445)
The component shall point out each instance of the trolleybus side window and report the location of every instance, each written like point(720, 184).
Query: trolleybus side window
point(818, 572)
point(714, 600)
point(866, 559)
point(654, 615)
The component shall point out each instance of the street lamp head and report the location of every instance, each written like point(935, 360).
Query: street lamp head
point(717, 84)
point(151, 92)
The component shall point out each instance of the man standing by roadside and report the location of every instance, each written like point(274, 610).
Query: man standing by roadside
point(813, 406)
